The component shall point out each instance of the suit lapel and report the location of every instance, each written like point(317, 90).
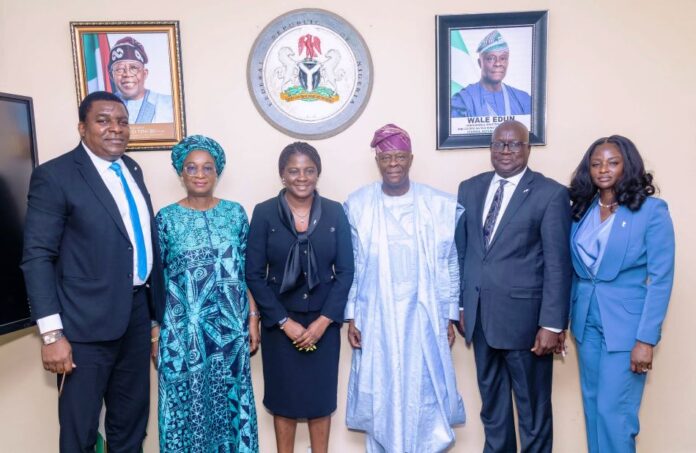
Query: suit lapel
point(518, 198)
point(96, 184)
point(616, 245)
point(137, 174)
point(480, 197)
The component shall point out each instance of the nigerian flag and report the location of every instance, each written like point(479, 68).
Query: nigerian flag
point(101, 434)
point(96, 53)
point(464, 69)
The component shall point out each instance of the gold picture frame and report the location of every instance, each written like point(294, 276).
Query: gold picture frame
point(151, 86)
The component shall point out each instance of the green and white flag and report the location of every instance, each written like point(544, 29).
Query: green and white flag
point(464, 69)
point(96, 53)
point(101, 434)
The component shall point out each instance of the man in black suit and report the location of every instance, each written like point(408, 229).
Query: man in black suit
point(514, 258)
point(91, 265)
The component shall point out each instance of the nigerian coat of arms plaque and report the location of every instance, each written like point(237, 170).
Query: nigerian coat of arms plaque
point(310, 74)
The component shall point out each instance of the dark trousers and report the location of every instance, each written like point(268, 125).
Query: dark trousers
point(114, 372)
point(502, 373)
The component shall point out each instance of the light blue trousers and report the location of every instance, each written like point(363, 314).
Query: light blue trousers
point(611, 392)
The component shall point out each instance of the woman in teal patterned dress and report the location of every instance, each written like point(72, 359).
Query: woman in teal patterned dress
point(206, 401)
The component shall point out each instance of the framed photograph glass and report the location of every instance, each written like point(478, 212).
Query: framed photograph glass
point(140, 62)
point(17, 160)
point(490, 68)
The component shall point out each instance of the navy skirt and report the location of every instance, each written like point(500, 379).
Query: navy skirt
point(300, 384)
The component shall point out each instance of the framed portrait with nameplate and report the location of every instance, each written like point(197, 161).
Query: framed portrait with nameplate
point(490, 68)
point(140, 62)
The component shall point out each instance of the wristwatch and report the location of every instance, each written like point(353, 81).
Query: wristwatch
point(52, 337)
point(282, 322)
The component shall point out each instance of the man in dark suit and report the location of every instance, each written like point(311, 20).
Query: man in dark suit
point(91, 265)
point(514, 258)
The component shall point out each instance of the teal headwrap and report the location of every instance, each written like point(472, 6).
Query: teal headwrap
point(493, 42)
point(193, 143)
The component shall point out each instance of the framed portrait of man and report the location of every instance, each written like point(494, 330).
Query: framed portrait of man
point(490, 68)
point(140, 62)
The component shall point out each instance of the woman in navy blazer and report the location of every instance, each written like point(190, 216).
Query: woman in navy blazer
point(622, 243)
point(299, 268)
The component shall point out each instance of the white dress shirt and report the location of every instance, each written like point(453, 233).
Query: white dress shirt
point(113, 184)
point(508, 190)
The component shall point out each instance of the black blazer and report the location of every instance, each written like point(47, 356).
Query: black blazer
point(78, 258)
point(267, 250)
point(523, 280)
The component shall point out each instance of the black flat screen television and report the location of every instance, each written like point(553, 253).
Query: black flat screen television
point(17, 160)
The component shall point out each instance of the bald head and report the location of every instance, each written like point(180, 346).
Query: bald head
point(510, 148)
point(512, 124)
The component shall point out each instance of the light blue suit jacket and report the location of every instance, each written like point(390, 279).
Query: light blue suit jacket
point(634, 280)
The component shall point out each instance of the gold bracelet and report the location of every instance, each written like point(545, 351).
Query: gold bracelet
point(154, 339)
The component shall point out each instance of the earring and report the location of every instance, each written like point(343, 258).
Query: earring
point(282, 180)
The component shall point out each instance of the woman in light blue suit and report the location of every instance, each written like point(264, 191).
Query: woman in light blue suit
point(622, 244)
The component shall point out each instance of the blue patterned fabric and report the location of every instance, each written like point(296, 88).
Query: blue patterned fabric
point(206, 401)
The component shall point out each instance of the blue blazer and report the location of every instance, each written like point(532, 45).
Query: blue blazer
point(634, 280)
point(78, 258)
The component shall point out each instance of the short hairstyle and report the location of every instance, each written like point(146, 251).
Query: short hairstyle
point(298, 148)
point(86, 104)
point(631, 190)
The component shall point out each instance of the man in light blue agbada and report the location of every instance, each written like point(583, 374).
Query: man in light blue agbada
point(402, 390)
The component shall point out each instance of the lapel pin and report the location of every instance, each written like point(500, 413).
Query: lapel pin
point(332, 229)
point(525, 191)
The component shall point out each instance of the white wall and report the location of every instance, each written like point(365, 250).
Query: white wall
point(614, 66)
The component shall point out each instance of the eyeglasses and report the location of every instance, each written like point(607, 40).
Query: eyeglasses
point(193, 170)
point(400, 158)
point(513, 147)
point(131, 69)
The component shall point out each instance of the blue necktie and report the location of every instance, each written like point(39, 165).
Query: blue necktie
point(135, 221)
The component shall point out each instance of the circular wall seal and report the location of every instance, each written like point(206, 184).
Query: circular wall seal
point(310, 73)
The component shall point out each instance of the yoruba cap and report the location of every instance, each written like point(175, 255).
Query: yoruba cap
point(493, 42)
point(391, 137)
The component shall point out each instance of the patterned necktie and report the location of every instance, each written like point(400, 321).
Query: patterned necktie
point(135, 221)
point(492, 215)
